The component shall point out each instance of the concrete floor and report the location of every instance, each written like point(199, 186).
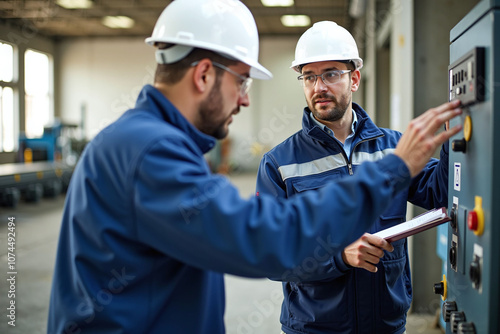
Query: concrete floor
point(253, 306)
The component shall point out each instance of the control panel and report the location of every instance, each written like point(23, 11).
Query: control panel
point(467, 77)
point(470, 289)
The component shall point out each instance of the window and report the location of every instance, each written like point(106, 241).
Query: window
point(8, 128)
point(38, 89)
point(8, 131)
point(7, 59)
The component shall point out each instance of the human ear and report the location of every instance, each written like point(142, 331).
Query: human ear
point(355, 80)
point(203, 75)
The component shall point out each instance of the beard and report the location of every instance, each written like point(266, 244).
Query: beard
point(336, 112)
point(211, 121)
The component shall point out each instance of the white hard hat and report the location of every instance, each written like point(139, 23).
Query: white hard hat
point(326, 41)
point(223, 26)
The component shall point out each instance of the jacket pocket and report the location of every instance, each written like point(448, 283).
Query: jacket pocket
point(396, 212)
point(395, 287)
point(313, 182)
point(385, 222)
point(320, 302)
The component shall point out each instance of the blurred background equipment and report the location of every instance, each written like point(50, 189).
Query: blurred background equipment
point(44, 166)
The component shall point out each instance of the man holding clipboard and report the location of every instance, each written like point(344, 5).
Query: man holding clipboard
point(369, 289)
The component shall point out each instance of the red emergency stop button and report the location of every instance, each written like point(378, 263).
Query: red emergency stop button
point(475, 218)
point(472, 221)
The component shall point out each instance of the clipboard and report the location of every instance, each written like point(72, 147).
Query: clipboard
point(420, 223)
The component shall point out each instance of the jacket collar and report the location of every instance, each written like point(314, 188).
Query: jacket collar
point(365, 130)
point(154, 101)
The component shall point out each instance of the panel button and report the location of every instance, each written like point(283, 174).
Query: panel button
point(475, 218)
point(472, 221)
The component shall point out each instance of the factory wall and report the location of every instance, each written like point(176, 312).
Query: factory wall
point(100, 79)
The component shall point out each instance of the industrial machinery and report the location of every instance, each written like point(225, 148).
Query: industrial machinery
point(470, 288)
point(32, 181)
point(44, 166)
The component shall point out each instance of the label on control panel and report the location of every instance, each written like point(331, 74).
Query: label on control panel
point(457, 175)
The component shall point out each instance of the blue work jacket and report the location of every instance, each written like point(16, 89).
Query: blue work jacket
point(148, 231)
point(351, 300)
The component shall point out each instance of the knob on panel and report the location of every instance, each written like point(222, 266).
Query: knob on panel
point(459, 145)
point(466, 328)
point(475, 273)
point(448, 307)
point(441, 288)
point(454, 217)
point(453, 256)
point(456, 318)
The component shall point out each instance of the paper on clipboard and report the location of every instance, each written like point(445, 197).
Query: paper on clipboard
point(418, 224)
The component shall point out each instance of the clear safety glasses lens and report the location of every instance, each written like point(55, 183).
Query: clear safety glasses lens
point(329, 78)
point(245, 82)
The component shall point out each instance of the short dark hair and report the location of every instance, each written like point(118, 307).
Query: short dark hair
point(174, 72)
point(350, 65)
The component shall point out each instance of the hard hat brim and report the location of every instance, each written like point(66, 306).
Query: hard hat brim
point(296, 65)
point(257, 71)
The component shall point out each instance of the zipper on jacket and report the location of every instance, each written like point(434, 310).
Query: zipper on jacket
point(349, 165)
point(349, 161)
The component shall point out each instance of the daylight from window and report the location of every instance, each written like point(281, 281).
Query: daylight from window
point(37, 88)
point(7, 120)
